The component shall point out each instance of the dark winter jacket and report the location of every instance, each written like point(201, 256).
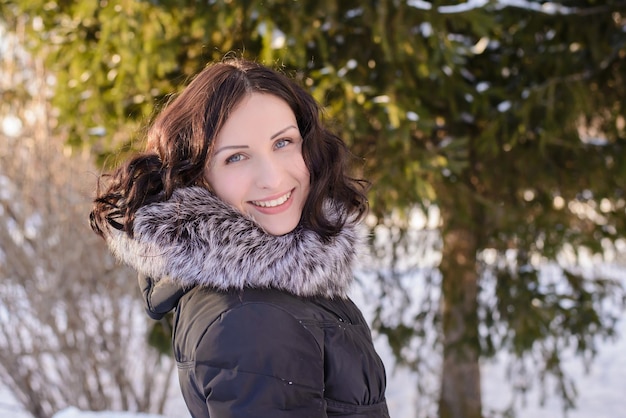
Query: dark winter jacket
point(263, 326)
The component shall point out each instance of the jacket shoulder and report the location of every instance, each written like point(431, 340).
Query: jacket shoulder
point(254, 333)
point(255, 358)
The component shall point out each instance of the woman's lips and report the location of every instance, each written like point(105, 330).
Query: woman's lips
point(274, 206)
point(272, 203)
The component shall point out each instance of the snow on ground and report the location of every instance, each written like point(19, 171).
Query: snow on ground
point(601, 391)
point(75, 413)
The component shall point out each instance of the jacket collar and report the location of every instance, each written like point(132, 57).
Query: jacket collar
point(195, 239)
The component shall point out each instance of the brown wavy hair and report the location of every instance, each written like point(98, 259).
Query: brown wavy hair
point(180, 142)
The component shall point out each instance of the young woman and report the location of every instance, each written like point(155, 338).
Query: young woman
point(241, 216)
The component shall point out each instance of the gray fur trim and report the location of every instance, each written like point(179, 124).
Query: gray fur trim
point(196, 239)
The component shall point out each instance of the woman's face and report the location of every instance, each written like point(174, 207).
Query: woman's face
point(257, 165)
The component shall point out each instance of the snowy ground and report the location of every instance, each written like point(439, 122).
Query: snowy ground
point(601, 390)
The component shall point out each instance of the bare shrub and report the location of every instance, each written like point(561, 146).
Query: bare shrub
point(72, 331)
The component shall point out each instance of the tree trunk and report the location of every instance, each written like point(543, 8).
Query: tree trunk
point(460, 395)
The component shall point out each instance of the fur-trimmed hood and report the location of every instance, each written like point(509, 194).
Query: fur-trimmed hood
point(195, 239)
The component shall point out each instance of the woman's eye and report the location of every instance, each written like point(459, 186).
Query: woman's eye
point(281, 143)
point(234, 158)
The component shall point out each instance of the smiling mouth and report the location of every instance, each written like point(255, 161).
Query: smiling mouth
point(272, 203)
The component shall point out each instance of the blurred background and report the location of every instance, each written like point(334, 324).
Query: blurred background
point(494, 134)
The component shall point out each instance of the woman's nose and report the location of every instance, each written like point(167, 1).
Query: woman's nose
point(269, 174)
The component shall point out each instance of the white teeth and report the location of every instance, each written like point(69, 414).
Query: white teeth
point(272, 203)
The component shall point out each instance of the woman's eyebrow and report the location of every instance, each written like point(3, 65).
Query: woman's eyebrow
point(282, 131)
point(227, 147)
